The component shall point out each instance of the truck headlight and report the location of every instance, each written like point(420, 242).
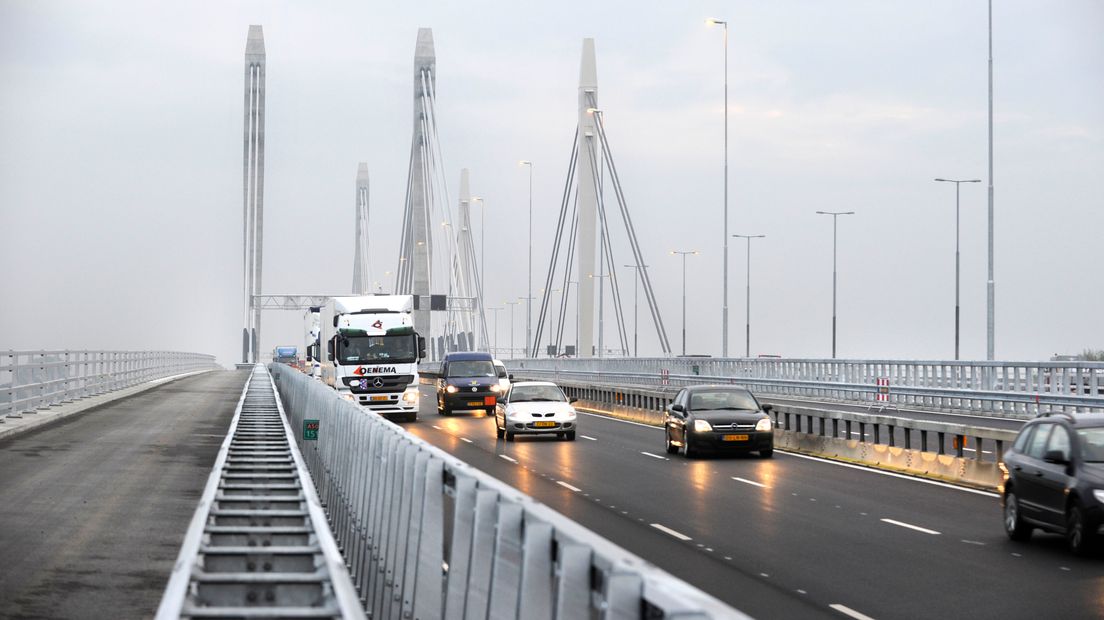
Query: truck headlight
point(349, 397)
point(410, 396)
point(451, 389)
point(763, 425)
point(701, 426)
point(1099, 495)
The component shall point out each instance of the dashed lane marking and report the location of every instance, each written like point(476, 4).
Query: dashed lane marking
point(589, 437)
point(910, 526)
point(568, 486)
point(654, 456)
point(465, 439)
point(667, 530)
point(847, 611)
point(751, 482)
point(503, 456)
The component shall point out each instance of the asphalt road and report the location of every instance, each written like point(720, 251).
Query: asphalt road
point(93, 509)
point(788, 537)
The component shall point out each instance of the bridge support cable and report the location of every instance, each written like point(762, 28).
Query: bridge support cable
point(260, 545)
point(550, 279)
point(565, 288)
point(634, 243)
point(607, 250)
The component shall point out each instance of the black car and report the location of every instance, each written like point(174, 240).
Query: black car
point(718, 418)
point(468, 381)
point(1054, 479)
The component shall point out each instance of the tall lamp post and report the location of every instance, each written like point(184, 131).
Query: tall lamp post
point(528, 301)
point(601, 313)
point(494, 347)
point(724, 322)
point(747, 311)
point(512, 304)
point(957, 259)
point(835, 216)
point(684, 254)
point(482, 254)
point(636, 284)
point(990, 331)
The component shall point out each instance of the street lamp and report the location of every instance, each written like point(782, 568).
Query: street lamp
point(684, 254)
point(482, 253)
point(551, 334)
point(747, 324)
point(512, 304)
point(724, 322)
point(494, 347)
point(957, 183)
point(529, 291)
point(636, 283)
point(601, 311)
point(835, 216)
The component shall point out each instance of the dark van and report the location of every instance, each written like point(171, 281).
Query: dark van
point(468, 381)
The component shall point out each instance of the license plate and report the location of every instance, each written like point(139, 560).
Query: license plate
point(475, 403)
point(381, 397)
point(735, 438)
point(544, 424)
point(488, 400)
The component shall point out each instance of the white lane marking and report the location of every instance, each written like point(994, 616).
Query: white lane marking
point(436, 427)
point(751, 482)
point(568, 486)
point(910, 526)
point(606, 417)
point(503, 456)
point(889, 473)
point(1066, 568)
point(847, 611)
point(589, 437)
point(465, 439)
point(973, 542)
point(667, 530)
point(654, 456)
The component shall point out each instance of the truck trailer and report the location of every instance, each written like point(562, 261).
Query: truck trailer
point(372, 352)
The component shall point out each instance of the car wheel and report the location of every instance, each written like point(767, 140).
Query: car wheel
point(498, 432)
point(766, 453)
point(1014, 524)
point(1081, 540)
point(509, 436)
point(571, 435)
point(671, 448)
point(687, 447)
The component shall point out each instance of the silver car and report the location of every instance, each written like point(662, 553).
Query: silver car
point(535, 408)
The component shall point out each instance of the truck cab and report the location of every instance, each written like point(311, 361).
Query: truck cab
point(372, 352)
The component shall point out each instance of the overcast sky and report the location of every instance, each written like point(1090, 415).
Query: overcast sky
point(120, 162)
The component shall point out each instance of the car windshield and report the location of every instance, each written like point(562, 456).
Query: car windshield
point(368, 349)
point(740, 400)
point(533, 393)
point(471, 368)
point(1092, 444)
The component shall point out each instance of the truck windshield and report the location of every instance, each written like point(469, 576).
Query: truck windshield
point(366, 349)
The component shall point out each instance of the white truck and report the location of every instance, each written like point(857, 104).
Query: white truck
point(372, 352)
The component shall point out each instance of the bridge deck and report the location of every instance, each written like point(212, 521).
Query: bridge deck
point(94, 508)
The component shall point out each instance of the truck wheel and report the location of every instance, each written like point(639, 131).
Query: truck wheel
point(411, 417)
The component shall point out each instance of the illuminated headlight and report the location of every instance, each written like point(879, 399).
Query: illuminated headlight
point(701, 426)
point(763, 425)
point(354, 383)
point(451, 389)
point(496, 388)
point(410, 395)
point(349, 397)
point(1099, 495)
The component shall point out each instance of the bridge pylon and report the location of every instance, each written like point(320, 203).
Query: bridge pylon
point(361, 274)
point(253, 191)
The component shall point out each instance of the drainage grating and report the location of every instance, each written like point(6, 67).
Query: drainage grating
point(259, 544)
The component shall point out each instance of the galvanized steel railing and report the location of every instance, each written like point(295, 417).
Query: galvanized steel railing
point(427, 536)
point(1007, 388)
point(259, 545)
point(33, 380)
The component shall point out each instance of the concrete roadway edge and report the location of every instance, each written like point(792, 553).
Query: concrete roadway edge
point(31, 420)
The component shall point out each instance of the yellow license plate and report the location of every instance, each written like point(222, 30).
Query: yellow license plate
point(475, 403)
point(381, 397)
point(735, 438)
point(544, 424)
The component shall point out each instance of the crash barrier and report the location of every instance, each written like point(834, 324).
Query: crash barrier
point(33, 380)
point(1014, 389)
point(259, 545)
point(427, 536)
point(913, 446)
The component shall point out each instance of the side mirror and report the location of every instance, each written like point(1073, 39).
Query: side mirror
point(329, 350)
point(678, 408)
point(1057, 457)
point(572, 400)
point(511, 377)
point(421, 347)
point(767, 407)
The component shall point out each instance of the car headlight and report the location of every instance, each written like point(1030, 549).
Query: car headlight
point(701, 426)
point(763, 425)
point(410, 395)
point(1099, 495)
point(452, 389)
point(571, 412)
point(496, 388)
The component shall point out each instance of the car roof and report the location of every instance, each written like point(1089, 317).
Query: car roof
point(716, 387)
point(498, 363)
point(468, 355)
point(1077, 420)
point(525, 383)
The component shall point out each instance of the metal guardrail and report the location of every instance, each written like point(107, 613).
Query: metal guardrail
point(259, 545)
point(39, 379)
point(427, 536)
point(956, 386)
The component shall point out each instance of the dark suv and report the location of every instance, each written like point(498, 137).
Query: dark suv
point(468, 381)
point(1054, 479)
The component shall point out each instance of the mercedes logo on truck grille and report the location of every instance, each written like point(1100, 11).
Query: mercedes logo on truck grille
point(378, 382)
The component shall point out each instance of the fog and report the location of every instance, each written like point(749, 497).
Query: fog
point(121, 154)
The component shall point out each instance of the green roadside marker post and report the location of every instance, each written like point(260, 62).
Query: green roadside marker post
point(310, 430)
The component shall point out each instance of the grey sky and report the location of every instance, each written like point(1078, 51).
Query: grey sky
point(120, 159)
